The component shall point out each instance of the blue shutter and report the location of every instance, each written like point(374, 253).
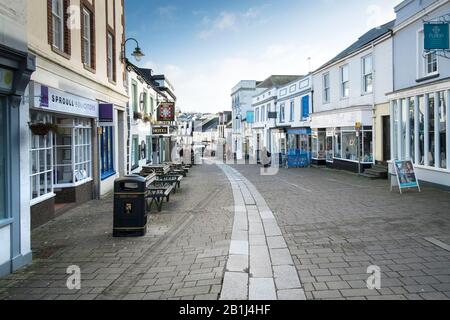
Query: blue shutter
point(305, 107)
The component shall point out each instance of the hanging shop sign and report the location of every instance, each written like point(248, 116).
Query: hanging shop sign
point(6, 79)
point(105, 112)
point(406, 175)
point(436, 36)
point(50, 99)
point(157, 131)
point(166, 111)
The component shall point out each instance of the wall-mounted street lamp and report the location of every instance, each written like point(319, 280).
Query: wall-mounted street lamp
point(137, 53)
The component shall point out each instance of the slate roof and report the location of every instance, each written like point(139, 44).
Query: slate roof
point(277, 81)
point(364, 40)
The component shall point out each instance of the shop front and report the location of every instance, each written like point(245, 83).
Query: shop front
point(299, 147)
point(161, 144)
point(16, 68)
point(279, 147)
point(62, 139)
point(344, 139)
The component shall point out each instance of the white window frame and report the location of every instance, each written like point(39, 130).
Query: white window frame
point(422, 60)
point(292, 111)
point(282, 113)
point(366, 74)
point(426, 64)
point(75, 128)
point(86, 37)
point(109, 57)
point(47, 149)
point(344, 83)
point(326, 89)
point(58, 15)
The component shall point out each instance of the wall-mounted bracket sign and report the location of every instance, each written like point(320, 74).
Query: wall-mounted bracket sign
point(166, 111)
point(436, 36)
point(250, 117)
point(405, 176)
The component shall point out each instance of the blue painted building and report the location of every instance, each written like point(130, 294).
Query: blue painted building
point(16, 67)
point(419, 103)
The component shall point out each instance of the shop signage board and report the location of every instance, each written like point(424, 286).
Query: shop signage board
point(166, 111)
point(106, 111)
point(272, 115)
point(158, 131)
point(54, 100)
point(405, 175)
point(436, 36)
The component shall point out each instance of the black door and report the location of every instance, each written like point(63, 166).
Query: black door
point(386, 138)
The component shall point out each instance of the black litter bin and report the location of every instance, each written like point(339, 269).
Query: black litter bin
point(130, 206)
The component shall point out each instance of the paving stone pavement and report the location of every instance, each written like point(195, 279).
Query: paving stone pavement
point(260, 266)
point(337, 224)
point(182, 256)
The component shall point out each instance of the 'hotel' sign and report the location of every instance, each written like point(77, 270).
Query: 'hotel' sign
point(160, 131)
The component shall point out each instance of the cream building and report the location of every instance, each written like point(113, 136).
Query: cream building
point(79, 89)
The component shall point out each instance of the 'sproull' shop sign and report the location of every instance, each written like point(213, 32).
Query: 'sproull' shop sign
point(55, 100)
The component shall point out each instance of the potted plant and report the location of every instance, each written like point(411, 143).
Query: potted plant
point(42, 129)
point(147, 118)
point(138, 116)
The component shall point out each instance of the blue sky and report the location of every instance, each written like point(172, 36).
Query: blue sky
point(206, 46)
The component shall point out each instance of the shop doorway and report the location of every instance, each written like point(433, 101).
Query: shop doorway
point(386, 139)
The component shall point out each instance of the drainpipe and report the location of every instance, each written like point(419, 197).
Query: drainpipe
point(374, 115)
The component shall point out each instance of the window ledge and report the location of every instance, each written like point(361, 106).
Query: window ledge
point(108, 175)
point(61, 53)
point(88, 68)
point(42, 199)
point(429, 77)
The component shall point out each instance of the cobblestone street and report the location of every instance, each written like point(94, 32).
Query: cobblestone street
point(218, 236)
point(182, 256)
point(337, 224)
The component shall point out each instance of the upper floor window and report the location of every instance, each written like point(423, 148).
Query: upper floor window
point(110, 57)
point(345, 87)
point(134, 92)
point(87, 37)
point(257, 115)
point(58, 24)
point(431, 64)
point(282, 113)
point(367, 72)
point(263, 113)
point(291, 112)
point(326, 88)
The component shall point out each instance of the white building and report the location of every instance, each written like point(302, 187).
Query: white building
point(241, 97)
point(142, 106)
point(264, 104)
point(350, 90)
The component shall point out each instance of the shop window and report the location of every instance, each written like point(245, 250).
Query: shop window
point(421, 130)
point(41, 159)
point(149, 149)
point(107, 152)
point(337, 143)
point(404, 112)
point(367, 146)
point(3, 188)
point(329, 146)
point(395, 132)
point(349, 145)
point(135, 152)
point(412, 139)
point(431, 155)
point(73, 159)
point(442, 131)
point(318, 145)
